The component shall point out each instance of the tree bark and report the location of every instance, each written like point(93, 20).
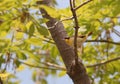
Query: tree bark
point(77, 72)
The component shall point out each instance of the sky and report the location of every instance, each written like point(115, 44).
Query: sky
point(26, 78)
point(62, 3)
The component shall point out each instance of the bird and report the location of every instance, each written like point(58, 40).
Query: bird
point(80, 40)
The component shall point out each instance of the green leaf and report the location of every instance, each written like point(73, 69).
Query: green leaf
point(53, 72)
point(34, 76)
point(43, 20)
point(51, 11)
point(7, 4)
point(34, 41)
point(5, 25)
point(19, 35)
point(17, 63)
point(31, 30)
point(62, 73)
point(31, 55)
point(42, 30)
point(28, 24)
point(21, 55)
point(54, 51)
point(1, 59)
point(44, 81)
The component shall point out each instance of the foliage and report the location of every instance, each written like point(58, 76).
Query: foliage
point(24, 37)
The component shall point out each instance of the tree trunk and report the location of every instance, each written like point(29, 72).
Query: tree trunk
point(77, 72)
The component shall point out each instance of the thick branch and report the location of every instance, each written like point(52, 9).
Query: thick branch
point(77, 73)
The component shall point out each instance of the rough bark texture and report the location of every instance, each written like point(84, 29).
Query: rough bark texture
point(76, 72)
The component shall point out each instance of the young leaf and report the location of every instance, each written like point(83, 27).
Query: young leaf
point(42, 30)
point(21, 55)
point(62, 73)
point(31, 30)
point(51, 11)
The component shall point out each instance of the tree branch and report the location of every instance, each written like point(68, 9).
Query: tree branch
point(72, 6)
point(54, 65)
point(57, 67)
point(67, 19)
point(103, 63)
point(83, 4)
point(49, 66)
point(105, 41)
point(76, 72)
point(116, 32)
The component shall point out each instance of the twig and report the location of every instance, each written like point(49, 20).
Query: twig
point(105, 41)
point(107, 49)
point(116, 32)
point(83, 4)
point(107, 38)
point(72, 6)
point(67, 19)
point(43, 67)
point(102, 41)
point(54, 65)
point(73, 3)
point(70, 18)
point(48, 41)
point(50, 66)
point(45, 39)
point(103, 63)
point(63, 68)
